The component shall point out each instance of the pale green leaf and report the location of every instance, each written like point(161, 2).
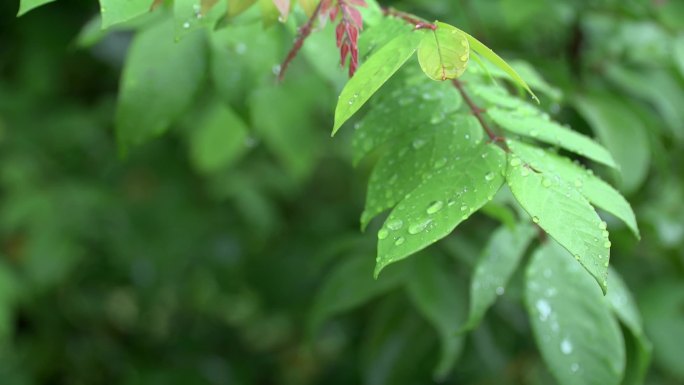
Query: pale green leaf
point(468, 178)
point(217, 139)
point(495, 59)
point(160, 80)
point(377, 36)
point(27, 5)
point(598, 192)
point(564, 214)
point(118, 11)
point(444, 53)
point(543, 129)
point(351, 285)
point(437, 293)
point(623, 133)
point(373, 74)
point(577, 335)
point(494, 268)
point(236, 7)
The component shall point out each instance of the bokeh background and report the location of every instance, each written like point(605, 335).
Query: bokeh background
point(154, 268)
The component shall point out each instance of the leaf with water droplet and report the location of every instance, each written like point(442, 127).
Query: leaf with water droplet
point(551, 132)
point(117, 11)
point(460, 182)
point(444, 52)
point(191, 15)
point(598, 192)
point(494, 268)
point(577, 335)
point(373, 74)
point(439, 295)
point(565, 215)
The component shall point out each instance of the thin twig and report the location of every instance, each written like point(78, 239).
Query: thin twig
point(407, 17)
point(477, 111)
point(303, 33)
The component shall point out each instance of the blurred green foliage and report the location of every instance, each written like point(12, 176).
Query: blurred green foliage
point(208, 256)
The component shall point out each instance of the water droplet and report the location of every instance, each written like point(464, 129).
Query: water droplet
point(435, 207)
point(464, 208)
point(464, 58)
point(544, 309)
point(535, 219)
point(525, 172)
point(276, 69)
point(440, 163)
point(240, 48)
point(464, 43)
point(574, 367)
point(546, 183)
point(419, 227)
point(515, 162)
point(186, 25)
point(500, 290)
point(607, 244)
point(566, 346)
point(400, 241)
point(603, 225)
point(438, 117)
point(395, 224)
point(383, 233)
point(534, 133)
point(489, 176)
point(605, 234)
point(419, 143)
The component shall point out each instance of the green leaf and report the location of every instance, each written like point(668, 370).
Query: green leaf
point(494, 268)
point(159, 81)
point(623, 133)
point(598, 192)
point(638, 346)
point(495, 59)
point(390, 121)
point(678, 53)
point(350, 285)
point(191, 15)
point(403, 168)
point(373, 74)
point(27, 5)
point(218, 139)
point(577, 335)
point(661, 303)
point(564, 214)
point(469, 177)
point(539, 127)
point(436, 292)
point(236, 7)
point(444, 52)
point(377, 36)
point(118, 11)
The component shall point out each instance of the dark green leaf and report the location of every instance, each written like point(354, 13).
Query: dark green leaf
point(159, 82)
point(494, 268)
point(27, 5)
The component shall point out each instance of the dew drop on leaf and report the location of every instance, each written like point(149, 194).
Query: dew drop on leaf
point(603, 225)
point(607, 244)
point(395, 224)
point(400, 241)
point(489, 176)
point(435, 207)
point(535, 219)
point(419, 227)
point(383, 233)
point(566, 346)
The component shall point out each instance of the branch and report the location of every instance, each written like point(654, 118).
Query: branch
point(477, 111)
point(303, 33)
point(407, 17)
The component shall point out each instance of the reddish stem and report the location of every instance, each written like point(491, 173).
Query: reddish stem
point(302, 34)
point(477, 111)
point(417, 23)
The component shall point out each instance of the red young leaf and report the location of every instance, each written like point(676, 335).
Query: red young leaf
point(283, 7)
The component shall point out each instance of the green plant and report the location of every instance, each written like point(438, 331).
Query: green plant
point(446, 130)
